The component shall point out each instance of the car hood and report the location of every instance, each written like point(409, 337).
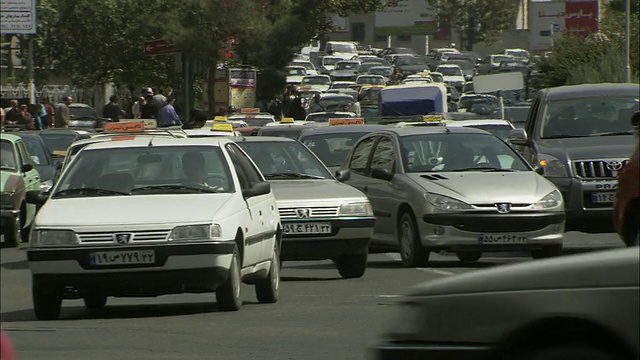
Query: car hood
point(476, 187)
point(313, 191)
point(454, 78)
point(586, 148)
point(415, 68)
point(134, 210)
point(609, 268)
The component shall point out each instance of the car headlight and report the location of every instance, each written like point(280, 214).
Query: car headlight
point(46, 185)
point(196, 232)
point(553, 167)
point(446, 203)
point(5, 199)
point(53, 238)
point(356, 209)
point(551, 200)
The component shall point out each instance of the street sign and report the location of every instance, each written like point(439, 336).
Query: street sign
point(18, 17)
point(160, 47)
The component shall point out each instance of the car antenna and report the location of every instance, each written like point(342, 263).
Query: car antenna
point(150, 141)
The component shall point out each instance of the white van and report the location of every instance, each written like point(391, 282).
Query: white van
point(345, 50)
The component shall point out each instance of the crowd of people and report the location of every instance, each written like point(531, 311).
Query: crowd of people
point(291, 104)
point(41, 115)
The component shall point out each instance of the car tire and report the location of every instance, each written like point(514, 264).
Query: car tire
point(228, 294)
point(47, 301)
point(547, 251)
point(12, 231)
point(25, 232)
point(572, 352)
point(469, 256)
point(94, 301)
point(352, 266)
point(412, 252)
point(268, 289)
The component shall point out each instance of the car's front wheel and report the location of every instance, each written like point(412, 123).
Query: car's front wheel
point(47, 301)
point(547, 251)
point(352, 265)
point(469, 256)
point(95, 301)
point(268, 289)
point(12, 231)
point(228, 294)
point(412, 252)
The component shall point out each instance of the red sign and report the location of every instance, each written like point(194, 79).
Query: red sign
point(159, 47)
point(581, 18)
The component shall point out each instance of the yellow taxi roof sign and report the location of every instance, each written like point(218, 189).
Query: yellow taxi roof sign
point(123, 127)
point(222, 127)
point(432, 118)
point(148, 123)
point(220, 118)
point(250, 110)
point(59, 153)
point(287, 120)
point(346, 121)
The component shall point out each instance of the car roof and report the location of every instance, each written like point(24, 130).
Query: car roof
point(267, 139)
point(10, 137)
point(448, 66)
point(472, 122)
point(317, 76)
point(429, 129)
point(590, 90)
point(26, 134)
point(343, 129)
point(161, 141)
point(333, 95)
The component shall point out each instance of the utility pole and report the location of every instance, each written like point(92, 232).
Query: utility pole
point(627, 35)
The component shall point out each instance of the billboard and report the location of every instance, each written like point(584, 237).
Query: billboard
point(547, 18)
point(407, 17)
point(18, 16)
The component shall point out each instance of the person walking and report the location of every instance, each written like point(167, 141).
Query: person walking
point(63, 116)
point(315, 106)
point(51, 113)
point(136, 108)
point(26, 119)
point(167, 116)
point(40, 114)
point(296, 111)
point(149, 110)
point(11, 116)
point(112, 110)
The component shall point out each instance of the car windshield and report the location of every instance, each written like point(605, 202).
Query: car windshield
point(7, 156)
point(436, 77)
point(384, 71)
point(344, 48)
point(332, 149)
point(258, 121)
point(588, 117)
point(82, 112)
point(341, 85)
point(324, 117)
point(332, 103)
point(450, 71)
point(297, 71)
point(343, 65)
point(374, 80)
point(410, 60)
point(306, 65)
point(316, 80)
point(380, 61)
point(517, 115)
point(501, 131)
point(517, 53)
point(37, 149)
point(330, 60)
point(146, 170)
point(58, 141)
point(458, 152)
point(280, 160)
point(500, 58)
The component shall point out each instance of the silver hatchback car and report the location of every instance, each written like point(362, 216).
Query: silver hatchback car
point(463, 190)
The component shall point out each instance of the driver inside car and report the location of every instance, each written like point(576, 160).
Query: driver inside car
point(193, 168)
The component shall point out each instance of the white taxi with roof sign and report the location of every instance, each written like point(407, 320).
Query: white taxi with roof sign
point(175, 216)
point(219, 126)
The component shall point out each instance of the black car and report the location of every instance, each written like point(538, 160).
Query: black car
point(409, 65)
point(290, 131)
point(58, 140)
point(41, 157)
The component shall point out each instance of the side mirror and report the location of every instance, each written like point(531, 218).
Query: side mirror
point(382, 174)
point(257, 189)
point(518, 137)
point(36, 197)
point(26, 168)
point(539, 169)
point(343, 175)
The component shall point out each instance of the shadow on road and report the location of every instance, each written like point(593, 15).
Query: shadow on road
point(306, 278)
point(313, 266)
point(393, 264)
point(16, 265)
point(121, 311)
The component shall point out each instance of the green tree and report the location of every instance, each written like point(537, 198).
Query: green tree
point(476, 20)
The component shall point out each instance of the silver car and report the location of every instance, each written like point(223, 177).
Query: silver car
point(322, 218)
point(436, 188)
point(577, 307)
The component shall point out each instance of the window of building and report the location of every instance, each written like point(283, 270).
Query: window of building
point(357, 32)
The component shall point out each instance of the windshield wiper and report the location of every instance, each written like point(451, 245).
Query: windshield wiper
point(292, 175)
point(615, 133)
point(88, 191)
point(203, 189)
point(560, 136)
point(484, 169)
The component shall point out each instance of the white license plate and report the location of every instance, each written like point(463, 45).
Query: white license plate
point(502, 239)
point(307, 228)
point(603, 197)
point(122, 257)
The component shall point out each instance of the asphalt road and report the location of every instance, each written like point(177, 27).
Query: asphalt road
point(319, 315)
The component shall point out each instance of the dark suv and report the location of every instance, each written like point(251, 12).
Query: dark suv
point(582, 137)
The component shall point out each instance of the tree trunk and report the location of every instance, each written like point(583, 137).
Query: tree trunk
point(210, 86)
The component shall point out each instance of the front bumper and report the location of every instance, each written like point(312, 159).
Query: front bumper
point(583, 214)
point(418, 351)
point(462, 231)
point(348, 236)
point(178, 268)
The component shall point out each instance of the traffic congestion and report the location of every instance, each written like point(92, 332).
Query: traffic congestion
point(381, 179)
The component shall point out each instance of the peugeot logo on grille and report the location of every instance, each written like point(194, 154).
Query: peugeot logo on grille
point(122, 238)
point(503, 208)
point(614, 165)
point(303, 213)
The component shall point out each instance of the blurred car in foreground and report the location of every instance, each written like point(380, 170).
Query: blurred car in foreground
point(626, 210)
point(568, 308)
point(41, 157)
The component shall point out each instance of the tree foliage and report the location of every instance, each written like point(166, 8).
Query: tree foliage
point(598, 57)
point(476, 20)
